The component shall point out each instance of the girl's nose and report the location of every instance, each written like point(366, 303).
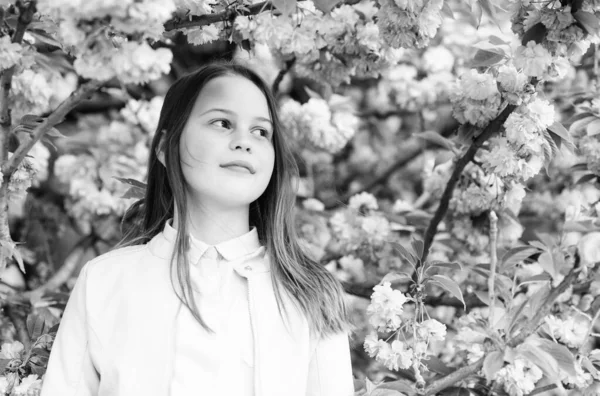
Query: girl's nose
point(241, 141)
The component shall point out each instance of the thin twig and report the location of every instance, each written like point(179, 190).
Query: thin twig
point(492, 128)
point(493, 263)
point(66, 270)
point(412, 149)
point(54, 118)
point(208, 19)
point(542, 389)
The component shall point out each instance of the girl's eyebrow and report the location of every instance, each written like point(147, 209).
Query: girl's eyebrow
point(232, 113)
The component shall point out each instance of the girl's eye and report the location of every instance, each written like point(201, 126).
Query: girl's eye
point(263, 132)
point(222, 124)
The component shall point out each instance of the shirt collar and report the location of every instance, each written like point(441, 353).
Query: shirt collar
point(230, 250)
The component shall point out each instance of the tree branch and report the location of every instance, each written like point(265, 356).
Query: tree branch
point(492, 128)
point(54, 118)
point(453, 378)
point(532, 325)
point(412, 148)
point(281, 74)
point(471, 300)
point(25, 18)
point(20, 325)
point(208, 19)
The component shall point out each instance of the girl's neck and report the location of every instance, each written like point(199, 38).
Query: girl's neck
point(214, 227)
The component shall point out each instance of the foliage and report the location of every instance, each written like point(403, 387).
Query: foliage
point(477, 240)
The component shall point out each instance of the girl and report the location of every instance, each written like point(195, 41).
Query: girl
point(211, 293)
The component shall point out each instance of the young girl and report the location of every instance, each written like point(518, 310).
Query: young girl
point(212, 294)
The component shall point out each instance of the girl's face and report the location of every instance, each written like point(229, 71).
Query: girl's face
point(229, 123)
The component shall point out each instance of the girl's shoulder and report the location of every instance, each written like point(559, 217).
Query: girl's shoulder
point(120, 258)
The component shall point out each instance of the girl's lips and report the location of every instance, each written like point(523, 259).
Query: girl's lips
point(239, 169)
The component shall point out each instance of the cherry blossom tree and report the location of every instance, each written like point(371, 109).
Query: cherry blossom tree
point(449, 154)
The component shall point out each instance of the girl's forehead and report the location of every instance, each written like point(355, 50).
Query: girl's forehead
point(232, 93)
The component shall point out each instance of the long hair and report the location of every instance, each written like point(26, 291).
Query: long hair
point(317, 294)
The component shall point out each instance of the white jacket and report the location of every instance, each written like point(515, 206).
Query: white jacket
point(116, 335)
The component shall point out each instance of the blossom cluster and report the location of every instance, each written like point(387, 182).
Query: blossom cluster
point(476, 99)
point(519, 377)
point(122, 151)
point(409, 23)
point(11, 383)
point(564, 36)
point(352, 40)
point(353, 229)
point(103, 52)
point(520, 153)
point(401, 89)
point(33, 170)
point(570, 331)
point(319, 123)
point(386, 315)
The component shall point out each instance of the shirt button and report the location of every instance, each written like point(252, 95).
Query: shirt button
point(248, 268)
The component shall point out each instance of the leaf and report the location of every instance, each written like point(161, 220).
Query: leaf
point(582, 123)
point(498, 41)
point(538, 245)
point(435, 365)
point(484, 296)
point(536, 300)
point(456, 391)
point(400, 386)
point(447, 11)
point(588, 21)
point(44, 38)
point(485, 58)
point(131, 182)
point(546, 261)
point(435, 137)
point(405, 253)
point(586, 178)
point(395, 277)
point(417, 246)
point(55, 133)
point(385, 392)
point(450, 286)
point(559, 130)
point(517, 254)
point(536, 33)
point(493, 362)
point(487, 46)
point(545, 361)
point(593, 128)
point(40, 352)
point(579, 167)
point(476, 14)
point(10, 250)
point(490, 10)
point(536, 278)
point(564, 358)
point(286, 7)
point(35, 326)
point(325, 5)
point(442, 264)
point(587, 364)
point(134, 192)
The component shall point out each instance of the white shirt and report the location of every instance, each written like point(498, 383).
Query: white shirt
point(222, 362)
